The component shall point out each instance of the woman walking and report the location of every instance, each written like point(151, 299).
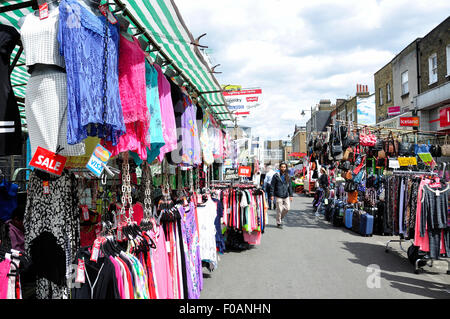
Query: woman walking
point(281, 191)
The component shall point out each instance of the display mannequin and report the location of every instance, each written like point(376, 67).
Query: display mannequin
point(38, 69)
point(52, 5)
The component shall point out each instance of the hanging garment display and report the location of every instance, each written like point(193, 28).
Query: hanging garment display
point(132, 88)
point(190, 152)
point(192, 250)
point(206, 140)
point(167, 114)
point(154, 108)
point(206, 214)
point(10, 124)
point(51, 231)
point(90, 46)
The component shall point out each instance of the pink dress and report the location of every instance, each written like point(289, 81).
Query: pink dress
point(132, 88)
point(167, 114)
point(160, 259)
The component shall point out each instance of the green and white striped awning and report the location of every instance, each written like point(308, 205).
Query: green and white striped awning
point(162, 25)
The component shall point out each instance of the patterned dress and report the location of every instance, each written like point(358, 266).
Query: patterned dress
point(192, 251)
point(52, 229)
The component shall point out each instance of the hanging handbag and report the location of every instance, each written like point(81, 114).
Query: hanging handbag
point(435, 149)
point(352, 136)
point(445, 149)
point(367, 139)
point(390, 146)
point(347, 153)
point(405, 148)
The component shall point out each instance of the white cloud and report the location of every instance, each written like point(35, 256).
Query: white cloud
point(299, 52)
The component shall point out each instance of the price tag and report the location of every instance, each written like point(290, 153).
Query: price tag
point(85, 212)
point(104, 9)
point(46, 187)
point(168, 246)
point(80, 272)
point(95, 249)
point(43, 11)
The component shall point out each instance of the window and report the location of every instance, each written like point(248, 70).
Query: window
point(381, 96)
point(405, 88)
point(388, 92)
point(432, 65)
point(448, 60)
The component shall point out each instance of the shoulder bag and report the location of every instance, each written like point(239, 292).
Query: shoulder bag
point(367, 138)
point(445, 148)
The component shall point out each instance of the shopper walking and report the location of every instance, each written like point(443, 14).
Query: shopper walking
point(267, 185)
point(281, 191)
point(323, 190)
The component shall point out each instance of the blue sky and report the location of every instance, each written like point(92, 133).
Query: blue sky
point(300, 51)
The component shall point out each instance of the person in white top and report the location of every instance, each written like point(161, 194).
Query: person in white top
point(267, 182)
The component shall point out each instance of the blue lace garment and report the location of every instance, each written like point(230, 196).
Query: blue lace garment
point(81, 37)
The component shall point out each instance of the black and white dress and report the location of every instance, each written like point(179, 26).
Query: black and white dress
point(52, 232)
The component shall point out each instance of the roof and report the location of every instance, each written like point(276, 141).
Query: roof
point(158, 22)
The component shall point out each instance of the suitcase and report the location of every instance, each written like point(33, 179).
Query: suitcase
point(366, 225)
point(356, 220)
point(348, 218)
point(337, 217)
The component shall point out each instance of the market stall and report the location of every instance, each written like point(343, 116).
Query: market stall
point(122, 120)
point(384, 182)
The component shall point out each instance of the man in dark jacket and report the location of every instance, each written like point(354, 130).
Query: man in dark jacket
point(281, 190)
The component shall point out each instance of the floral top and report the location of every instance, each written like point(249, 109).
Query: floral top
point(192, 251)
point(191, 153)
point(81, 36)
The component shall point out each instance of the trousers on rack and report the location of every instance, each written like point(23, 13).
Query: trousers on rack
point(439, 239)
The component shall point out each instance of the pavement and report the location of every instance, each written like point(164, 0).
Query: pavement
point(310, 259)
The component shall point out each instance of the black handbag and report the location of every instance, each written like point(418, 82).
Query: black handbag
point(405, 148)
point(349, 186)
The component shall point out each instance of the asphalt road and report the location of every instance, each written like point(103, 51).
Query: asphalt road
point(309, 258)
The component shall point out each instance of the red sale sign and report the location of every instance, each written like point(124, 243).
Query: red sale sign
point(245, 171)
point(48, 161)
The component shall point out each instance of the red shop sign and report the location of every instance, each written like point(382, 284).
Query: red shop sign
point(245, 171)
point(444, 117)
point(409, 121)
point(48, 161)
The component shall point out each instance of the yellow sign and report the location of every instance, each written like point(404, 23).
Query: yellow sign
point(231, 87)
point(407, 161)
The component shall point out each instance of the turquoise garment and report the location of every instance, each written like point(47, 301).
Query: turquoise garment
point(154, 107)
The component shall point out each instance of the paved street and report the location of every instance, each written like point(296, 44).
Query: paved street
point(309, 258)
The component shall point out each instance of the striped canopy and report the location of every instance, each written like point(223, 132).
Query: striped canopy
point(160, 23)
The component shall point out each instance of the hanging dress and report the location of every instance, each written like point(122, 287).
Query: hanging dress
point(154, 108)
point(81, 37)
point(132, 88)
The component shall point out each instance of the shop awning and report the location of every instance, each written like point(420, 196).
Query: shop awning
point(158, 21)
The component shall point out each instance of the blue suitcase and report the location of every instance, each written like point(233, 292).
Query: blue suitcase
point(348, 218)
point(366, 225)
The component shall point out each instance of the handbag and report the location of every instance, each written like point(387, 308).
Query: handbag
point(347, 153)
point(405, 148)
point(445, 149)
point(350, 186)
point(435, 149)
point(390, 146)
point(367, 139)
